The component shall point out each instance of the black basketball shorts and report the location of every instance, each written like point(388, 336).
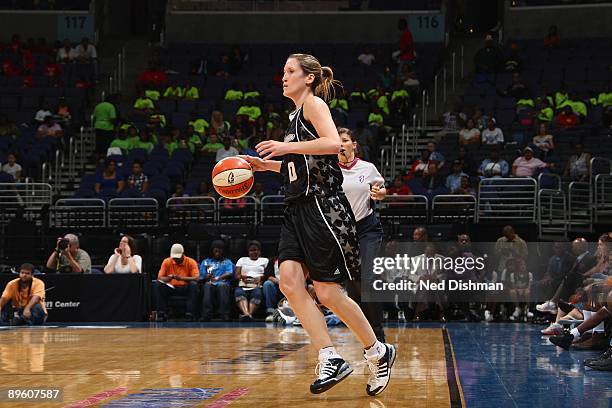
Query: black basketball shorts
point(321, 233)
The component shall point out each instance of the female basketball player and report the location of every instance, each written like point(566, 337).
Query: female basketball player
point(318, 234)
point(362, 184)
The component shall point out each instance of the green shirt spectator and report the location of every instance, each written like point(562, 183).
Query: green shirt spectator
point(199, 125)
point(233, 95)
point(104, 115)
point(358, 95)
point(143, 142)
point(375, 119)
point(212, 145)
point(158, 118)
point(525, 102)
point(194, 143)
point(252, 94)
point(253, 112)
point(399, 93)
point(383, 104)
point(144, 103)
point(578, 107)
point(171, 146)
point(560, 97)
point(339, 103)
point(122, 143)
point(191, 93)
point(546, 114)
point(153, 94)
point(174, 92)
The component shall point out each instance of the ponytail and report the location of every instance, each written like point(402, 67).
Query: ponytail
point(326, 88)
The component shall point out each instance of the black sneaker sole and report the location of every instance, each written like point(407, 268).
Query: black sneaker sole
point(391, 362)
point(337, 381)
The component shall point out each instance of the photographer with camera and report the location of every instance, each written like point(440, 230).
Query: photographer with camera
point(69, 257)
point(23, 299)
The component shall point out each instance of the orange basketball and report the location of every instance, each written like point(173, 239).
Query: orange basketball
point(232, 177)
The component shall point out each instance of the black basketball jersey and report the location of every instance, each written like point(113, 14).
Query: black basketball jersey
point(308, 175)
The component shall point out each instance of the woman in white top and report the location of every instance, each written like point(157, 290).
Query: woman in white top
point(544, 140)
point(469, 135)
point(124, 260)
point(250, 274)
point(363, 183)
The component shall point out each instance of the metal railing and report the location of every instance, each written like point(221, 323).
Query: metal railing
point(600, 165)
point(507, 198)
point(31, 197)
point(133, 213)
point(602, 198)
point(87, 213)
point(240, 211)
point(399, 209)
point(183, 211)
point(580, 206)
point(272, 209)
point(552, 212)
point(453, 208)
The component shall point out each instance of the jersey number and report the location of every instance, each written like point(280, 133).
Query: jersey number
point(292, 173)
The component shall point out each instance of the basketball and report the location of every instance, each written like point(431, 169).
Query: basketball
point(232, 177)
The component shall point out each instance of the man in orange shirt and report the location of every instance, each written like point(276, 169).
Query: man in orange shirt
point(178, 275)
point(23, 299)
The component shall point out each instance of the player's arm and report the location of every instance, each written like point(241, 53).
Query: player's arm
point(317, 112)
point(258, 164)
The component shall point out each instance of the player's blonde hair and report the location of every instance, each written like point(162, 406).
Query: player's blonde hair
point(324, 82)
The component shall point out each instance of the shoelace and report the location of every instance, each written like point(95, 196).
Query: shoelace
point(324, 369)
point(377, 370)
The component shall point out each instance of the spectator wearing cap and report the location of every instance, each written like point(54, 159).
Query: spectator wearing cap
point(453, 180)
point(526, 165)
point(23, 299)
point(217, 273)
point(492, 135)
point(250, 274)
point(178, 275)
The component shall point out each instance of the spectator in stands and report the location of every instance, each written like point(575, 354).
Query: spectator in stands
point(143, 142)
point(86, 52)
point(8, 128)
point(63, 112)
point(579, 164)
point(69, 257)
point(121, 142)
point(42, 113)
point(236, 59)
point(492, 135)
point(12, 167)
point(517, 88)
point(480, 120)
point(419, 166)
point(53, 71)
point(143, 105)
point(179, 191)
point(258, 192)
point(124, 259)
point(250, 274)
point(109, 180)
point(469, 134)
point(227, 150)
point(199, 124)
point(138, 180)
point(453, 180)
point(558, 266)
point(66, 53)
point(567, 118)
point(205, 190)
point(190, 92)
point(544, 141)
point(465, 187)
point(178, 275)
point(105, 115)
point(366, 57)
point(513, 62)
point(494, 166)
point(399, 188)
point(217, 273)
point(521, 281)
point(526, 165)
point(23, 299)
point(212, 145)
point(432, 181)
point(508, 247)
point(173, 91)
point(407, 54)
point(434, 155)
point(271, 288)
point(552, 39)
point(489, 58)
point(218, 126)
point(49, 129)
point(467, 163)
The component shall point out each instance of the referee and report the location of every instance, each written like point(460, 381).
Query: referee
point(363, 183)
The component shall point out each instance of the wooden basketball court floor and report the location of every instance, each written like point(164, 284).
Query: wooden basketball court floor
point(207, 365)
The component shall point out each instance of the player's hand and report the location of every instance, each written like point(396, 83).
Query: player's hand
point(256, 163)
point(272, 148)
point(378, 192)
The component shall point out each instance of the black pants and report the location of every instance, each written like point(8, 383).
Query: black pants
point(162, 293)
point(220, 294)
point(370, 235)
point(103, 140)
